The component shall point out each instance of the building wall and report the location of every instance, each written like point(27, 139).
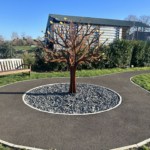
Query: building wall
point(143, 36)
point(110, 33)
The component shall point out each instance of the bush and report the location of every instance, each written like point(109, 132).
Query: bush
point(138, 53)
point(6, 50)
point(28, 59)
point(144, 148)
point(119, 53)
point(146, 58)
point(123, 53)
point(41, 65)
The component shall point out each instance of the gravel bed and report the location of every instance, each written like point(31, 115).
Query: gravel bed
point(54, 98)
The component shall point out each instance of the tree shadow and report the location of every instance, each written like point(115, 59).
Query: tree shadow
point(37, 94)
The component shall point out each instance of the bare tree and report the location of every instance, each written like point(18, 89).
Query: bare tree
point(145, 19)
point(29, 40)
point(73, 44)
point(14, 36)
point(23, 35)
point(1, 39)
point(39, 38)
point(132, 18)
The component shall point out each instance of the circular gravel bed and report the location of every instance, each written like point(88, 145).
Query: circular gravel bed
point(89, 99)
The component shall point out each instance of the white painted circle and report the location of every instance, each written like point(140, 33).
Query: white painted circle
point(35, 97)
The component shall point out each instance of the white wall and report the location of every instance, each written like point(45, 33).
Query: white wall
point(109, 33)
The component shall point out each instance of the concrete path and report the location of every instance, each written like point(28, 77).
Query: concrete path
point(127, 124)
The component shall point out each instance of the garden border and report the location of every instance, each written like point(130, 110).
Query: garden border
point(84, 114)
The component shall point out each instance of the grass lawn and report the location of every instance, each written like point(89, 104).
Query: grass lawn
point(20, 50)
point(83, 73)
point(143, 80)
point(26, 48)
point(4, 148)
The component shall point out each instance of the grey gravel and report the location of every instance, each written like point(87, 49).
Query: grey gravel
point(55, 98)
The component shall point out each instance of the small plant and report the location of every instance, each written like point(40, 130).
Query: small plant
point(4, 148)
point(6, 50)
point(144, 148)
point(28, 58)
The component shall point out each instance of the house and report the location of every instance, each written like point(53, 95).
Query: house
point(112, 29)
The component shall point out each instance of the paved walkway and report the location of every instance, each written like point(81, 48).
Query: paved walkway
point(127, 124)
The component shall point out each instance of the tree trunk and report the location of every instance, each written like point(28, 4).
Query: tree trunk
point(72, 88)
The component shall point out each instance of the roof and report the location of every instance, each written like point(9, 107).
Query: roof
point(98, 21)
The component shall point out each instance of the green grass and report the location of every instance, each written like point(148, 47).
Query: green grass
point(26, 48)
point(98, 72)
point(143, 81)
point(4, 148)
point(144, 148)
point(83, 73)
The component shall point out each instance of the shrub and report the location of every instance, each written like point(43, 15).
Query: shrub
point(41, 65)
point(119, 53)
point(6, 50)
point(28, 59)
point(144, 148)
point(138, 53)
point(146, 59)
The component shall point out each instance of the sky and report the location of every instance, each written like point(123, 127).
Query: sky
point(30, 17)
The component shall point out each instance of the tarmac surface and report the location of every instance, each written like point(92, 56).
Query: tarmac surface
point(125, 125)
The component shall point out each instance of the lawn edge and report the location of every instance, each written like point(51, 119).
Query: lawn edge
point(11, 145)
point(137, 84)
point(138, 145)
point(76, 77)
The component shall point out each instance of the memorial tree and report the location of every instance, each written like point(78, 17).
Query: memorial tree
point(73, 44)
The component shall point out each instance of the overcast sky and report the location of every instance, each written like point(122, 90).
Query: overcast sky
point(30, 16)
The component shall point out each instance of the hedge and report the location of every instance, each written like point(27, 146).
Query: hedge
point(120, 53)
